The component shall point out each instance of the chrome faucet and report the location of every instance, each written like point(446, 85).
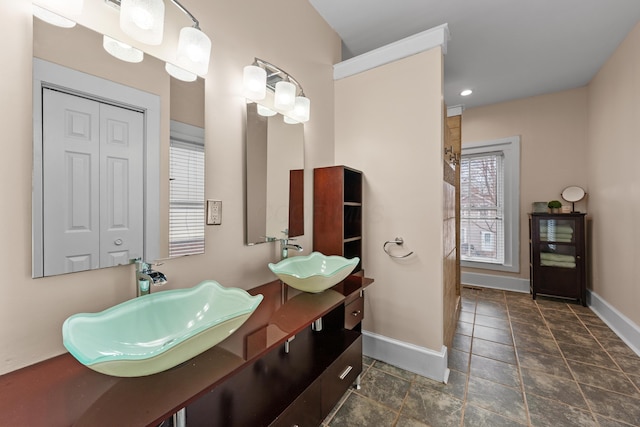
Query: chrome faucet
point(285, 245)
point(146, 277)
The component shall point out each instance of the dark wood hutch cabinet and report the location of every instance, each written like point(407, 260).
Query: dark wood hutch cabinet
point(337, 212)
point(558, 255)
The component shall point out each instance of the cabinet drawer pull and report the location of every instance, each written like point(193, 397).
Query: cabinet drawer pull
point(346, 371)
point(356, 313)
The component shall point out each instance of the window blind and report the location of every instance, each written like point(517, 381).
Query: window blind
point(186, 198)
point(482, 207)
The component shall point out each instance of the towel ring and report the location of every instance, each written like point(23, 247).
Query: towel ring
point(398, 241)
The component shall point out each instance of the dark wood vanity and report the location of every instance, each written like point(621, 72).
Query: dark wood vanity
point(275, 370)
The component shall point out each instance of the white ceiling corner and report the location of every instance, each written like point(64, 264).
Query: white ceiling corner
point(502, 49)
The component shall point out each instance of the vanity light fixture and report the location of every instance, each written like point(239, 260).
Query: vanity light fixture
point(122, 51)
point(47, 11)
point(288, 96)
point(144, 21)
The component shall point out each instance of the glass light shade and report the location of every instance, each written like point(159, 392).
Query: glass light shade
point(194, 51)
point(121, 50)
point(143, 20)
point(285, 97)
point(265, 112)
point(288, 120)
point(66, 7)
point(254, 80)
point(179, 73)
point(301, 109)
point(52, 18)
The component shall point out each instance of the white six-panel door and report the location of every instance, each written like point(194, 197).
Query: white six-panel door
point(92, 181)
point(121, 182)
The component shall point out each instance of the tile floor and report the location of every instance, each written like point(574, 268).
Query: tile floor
point(514, 362)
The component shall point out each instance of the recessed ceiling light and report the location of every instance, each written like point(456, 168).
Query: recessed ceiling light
point(466, 92)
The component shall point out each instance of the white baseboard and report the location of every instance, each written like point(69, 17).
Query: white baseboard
point(624, 327)
point(419, 360)
point(505, 283)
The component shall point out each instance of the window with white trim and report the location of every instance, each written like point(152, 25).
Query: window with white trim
point(186, 190)
point(490, 205)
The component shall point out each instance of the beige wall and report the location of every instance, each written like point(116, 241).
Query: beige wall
point(32, 311)
point(389, 125)
point(612, 152)
point(553, 135)
point(588, 137)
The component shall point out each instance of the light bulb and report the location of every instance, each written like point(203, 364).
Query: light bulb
point(180, 73)
point(121, 50)
point(254, 80)
point(265, 112)
point(194, 51)
point(301, 109)
point(143, 20)
point(285, 96)
point(288, 120)
point(52, 18)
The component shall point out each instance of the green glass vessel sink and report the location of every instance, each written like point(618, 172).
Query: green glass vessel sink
point(156, 332)
point(315, 272)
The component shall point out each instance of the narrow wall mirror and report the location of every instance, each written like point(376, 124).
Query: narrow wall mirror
point(274, 178)
point(94, 206)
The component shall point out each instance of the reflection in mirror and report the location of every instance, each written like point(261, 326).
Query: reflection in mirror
point(93, 205)
point(186, 190)
point(275, 174)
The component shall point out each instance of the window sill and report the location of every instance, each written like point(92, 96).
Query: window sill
point(489, 266)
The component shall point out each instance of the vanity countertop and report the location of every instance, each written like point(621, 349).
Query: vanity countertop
point(63, 392)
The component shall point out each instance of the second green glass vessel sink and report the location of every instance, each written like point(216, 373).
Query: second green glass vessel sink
point(315, 272)
point(156, 332)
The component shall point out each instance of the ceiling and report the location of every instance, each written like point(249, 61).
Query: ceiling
point(501, 49)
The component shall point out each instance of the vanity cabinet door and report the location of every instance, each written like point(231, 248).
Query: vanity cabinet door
point(354, 312)
point(304, 411)
point(343, 372)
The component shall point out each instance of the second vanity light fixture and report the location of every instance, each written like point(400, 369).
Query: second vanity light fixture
point(288, 96)
point(142, 20)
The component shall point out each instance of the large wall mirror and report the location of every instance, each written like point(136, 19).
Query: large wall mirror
point(118, 156)
point(274, 179)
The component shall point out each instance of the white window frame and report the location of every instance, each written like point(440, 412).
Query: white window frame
point(510, 147)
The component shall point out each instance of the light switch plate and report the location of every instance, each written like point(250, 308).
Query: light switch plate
point(214, 212)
